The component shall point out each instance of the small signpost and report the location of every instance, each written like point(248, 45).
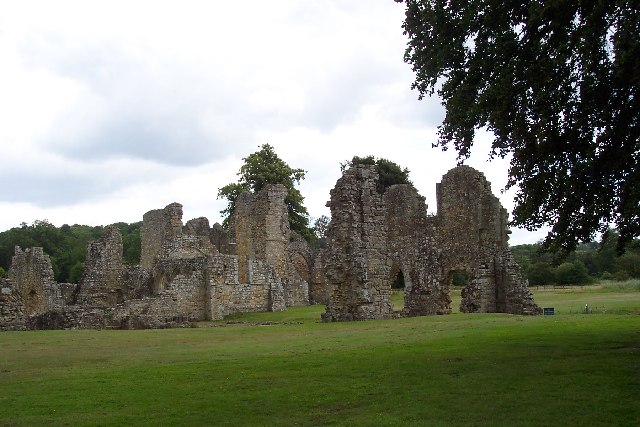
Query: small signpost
point(548, 311)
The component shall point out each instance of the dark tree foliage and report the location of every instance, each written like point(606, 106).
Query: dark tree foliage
point(389, 173)
point(260, 169)
point(66, 246)
point(557, 82)
point(594, 260)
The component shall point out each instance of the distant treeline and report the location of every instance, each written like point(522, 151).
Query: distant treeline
point(65, 245)
point(587, 264)
point(67, 248)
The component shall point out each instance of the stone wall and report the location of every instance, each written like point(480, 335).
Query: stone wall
point(473, 235)
point(107, 280)
point(31, 277)
point(412, 249)
point(196, 272)
point(12, 310)
point(102, 281)
point(372, 238)
point(356, 268)
point(260, 231)
point(159, 226)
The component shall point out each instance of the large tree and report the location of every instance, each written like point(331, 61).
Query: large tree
point(260, 169)
point(557, 84)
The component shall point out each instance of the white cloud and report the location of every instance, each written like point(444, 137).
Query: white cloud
point(110, 109)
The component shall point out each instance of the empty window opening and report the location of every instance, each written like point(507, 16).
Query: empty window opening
point(397, 291)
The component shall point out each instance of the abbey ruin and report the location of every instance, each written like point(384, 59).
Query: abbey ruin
point(193, 272)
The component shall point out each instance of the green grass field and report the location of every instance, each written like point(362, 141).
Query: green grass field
point(461, 369)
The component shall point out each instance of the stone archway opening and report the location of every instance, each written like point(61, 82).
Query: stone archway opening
point(397, 289)
point(458, 280)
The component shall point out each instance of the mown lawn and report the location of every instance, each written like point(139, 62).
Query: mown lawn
point(482, 369)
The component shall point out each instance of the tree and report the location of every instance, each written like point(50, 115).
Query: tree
point(557, 82)
point(572, 273)
point(389, 173)
point(540, 274)
point(260, 169)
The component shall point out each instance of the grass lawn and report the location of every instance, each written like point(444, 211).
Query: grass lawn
point(478, 369)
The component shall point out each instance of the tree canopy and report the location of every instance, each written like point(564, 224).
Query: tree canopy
point(389, 173)
point(260, 169)
point(557, 84)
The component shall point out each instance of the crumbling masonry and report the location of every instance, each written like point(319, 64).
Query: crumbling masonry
point(372, 237)
point(195, 272)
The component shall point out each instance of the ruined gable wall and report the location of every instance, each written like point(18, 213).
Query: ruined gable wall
point(102, 282)
point(356, 265)
point(31, 276)
point(260, 226)
point(158, 226)
point(472, 232)
point(412, 249)
point(467, 213)
point(107, 279)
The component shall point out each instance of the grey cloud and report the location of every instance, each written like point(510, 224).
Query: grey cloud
point(166, 140)
point(54, 188)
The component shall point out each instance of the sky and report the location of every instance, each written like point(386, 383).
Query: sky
point(109, 109)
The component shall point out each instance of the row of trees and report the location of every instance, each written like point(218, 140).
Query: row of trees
point(589, 262)
point(65, 245)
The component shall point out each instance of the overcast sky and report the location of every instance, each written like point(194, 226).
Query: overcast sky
point(109, 109)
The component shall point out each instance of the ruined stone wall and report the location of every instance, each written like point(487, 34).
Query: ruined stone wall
point(260, 230)
point(198, 229)
point(412, 248)
point(158, 226)
point(12, 316)
point(356, 267)
point(31, 277)
point(318, 287)
point(102, 282)
point(228, 296)
point(371, 238)
point(473, 235)
point(220, 239)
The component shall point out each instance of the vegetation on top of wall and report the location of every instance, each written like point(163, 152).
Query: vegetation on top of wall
point(389, 173)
